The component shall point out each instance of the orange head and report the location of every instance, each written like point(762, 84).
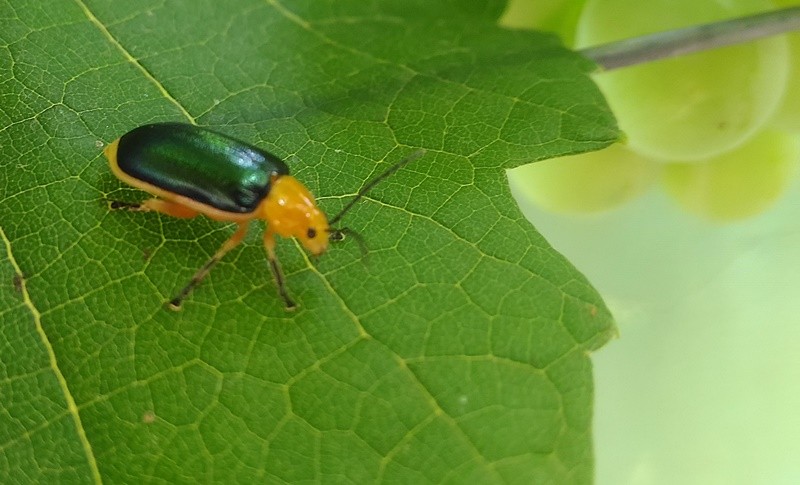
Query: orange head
point(291, 211)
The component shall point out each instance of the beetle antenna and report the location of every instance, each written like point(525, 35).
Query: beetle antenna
point(337, 235)
point(370, 185)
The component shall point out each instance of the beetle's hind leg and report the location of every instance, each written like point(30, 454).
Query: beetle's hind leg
point(175, 303)
point(127, 206)
point(155, 205)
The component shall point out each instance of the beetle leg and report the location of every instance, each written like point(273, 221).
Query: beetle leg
point(120, 205)
point(269, 244)
point(156, 205)
point(201, 273)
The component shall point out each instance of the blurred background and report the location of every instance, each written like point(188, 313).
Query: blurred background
point(690, 231)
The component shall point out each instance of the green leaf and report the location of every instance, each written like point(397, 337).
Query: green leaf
point(457, 351)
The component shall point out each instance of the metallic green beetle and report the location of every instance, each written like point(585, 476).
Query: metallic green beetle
point(192, 171)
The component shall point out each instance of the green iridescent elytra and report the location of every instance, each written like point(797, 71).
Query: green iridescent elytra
point(203, 165)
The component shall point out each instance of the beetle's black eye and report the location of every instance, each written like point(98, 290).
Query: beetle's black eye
point(312, 233)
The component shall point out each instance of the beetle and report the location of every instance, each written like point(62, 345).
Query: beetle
point(194, 171)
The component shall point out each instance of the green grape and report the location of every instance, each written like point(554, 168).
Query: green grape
point(559, 16)
point(788, 115)
point(739, 183)
point(589, 182)
point(691, 107)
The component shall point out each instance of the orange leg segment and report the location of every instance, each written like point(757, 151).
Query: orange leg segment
point(157, 205)
point(231, 243)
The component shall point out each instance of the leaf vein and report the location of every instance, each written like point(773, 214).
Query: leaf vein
point(72, 408)
point(130, 58)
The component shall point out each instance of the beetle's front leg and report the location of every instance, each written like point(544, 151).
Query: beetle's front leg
point(269, 244)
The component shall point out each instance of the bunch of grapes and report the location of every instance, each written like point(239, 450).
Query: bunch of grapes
point(718, 128)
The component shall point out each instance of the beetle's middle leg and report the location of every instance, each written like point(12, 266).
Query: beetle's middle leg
point(201, 273)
